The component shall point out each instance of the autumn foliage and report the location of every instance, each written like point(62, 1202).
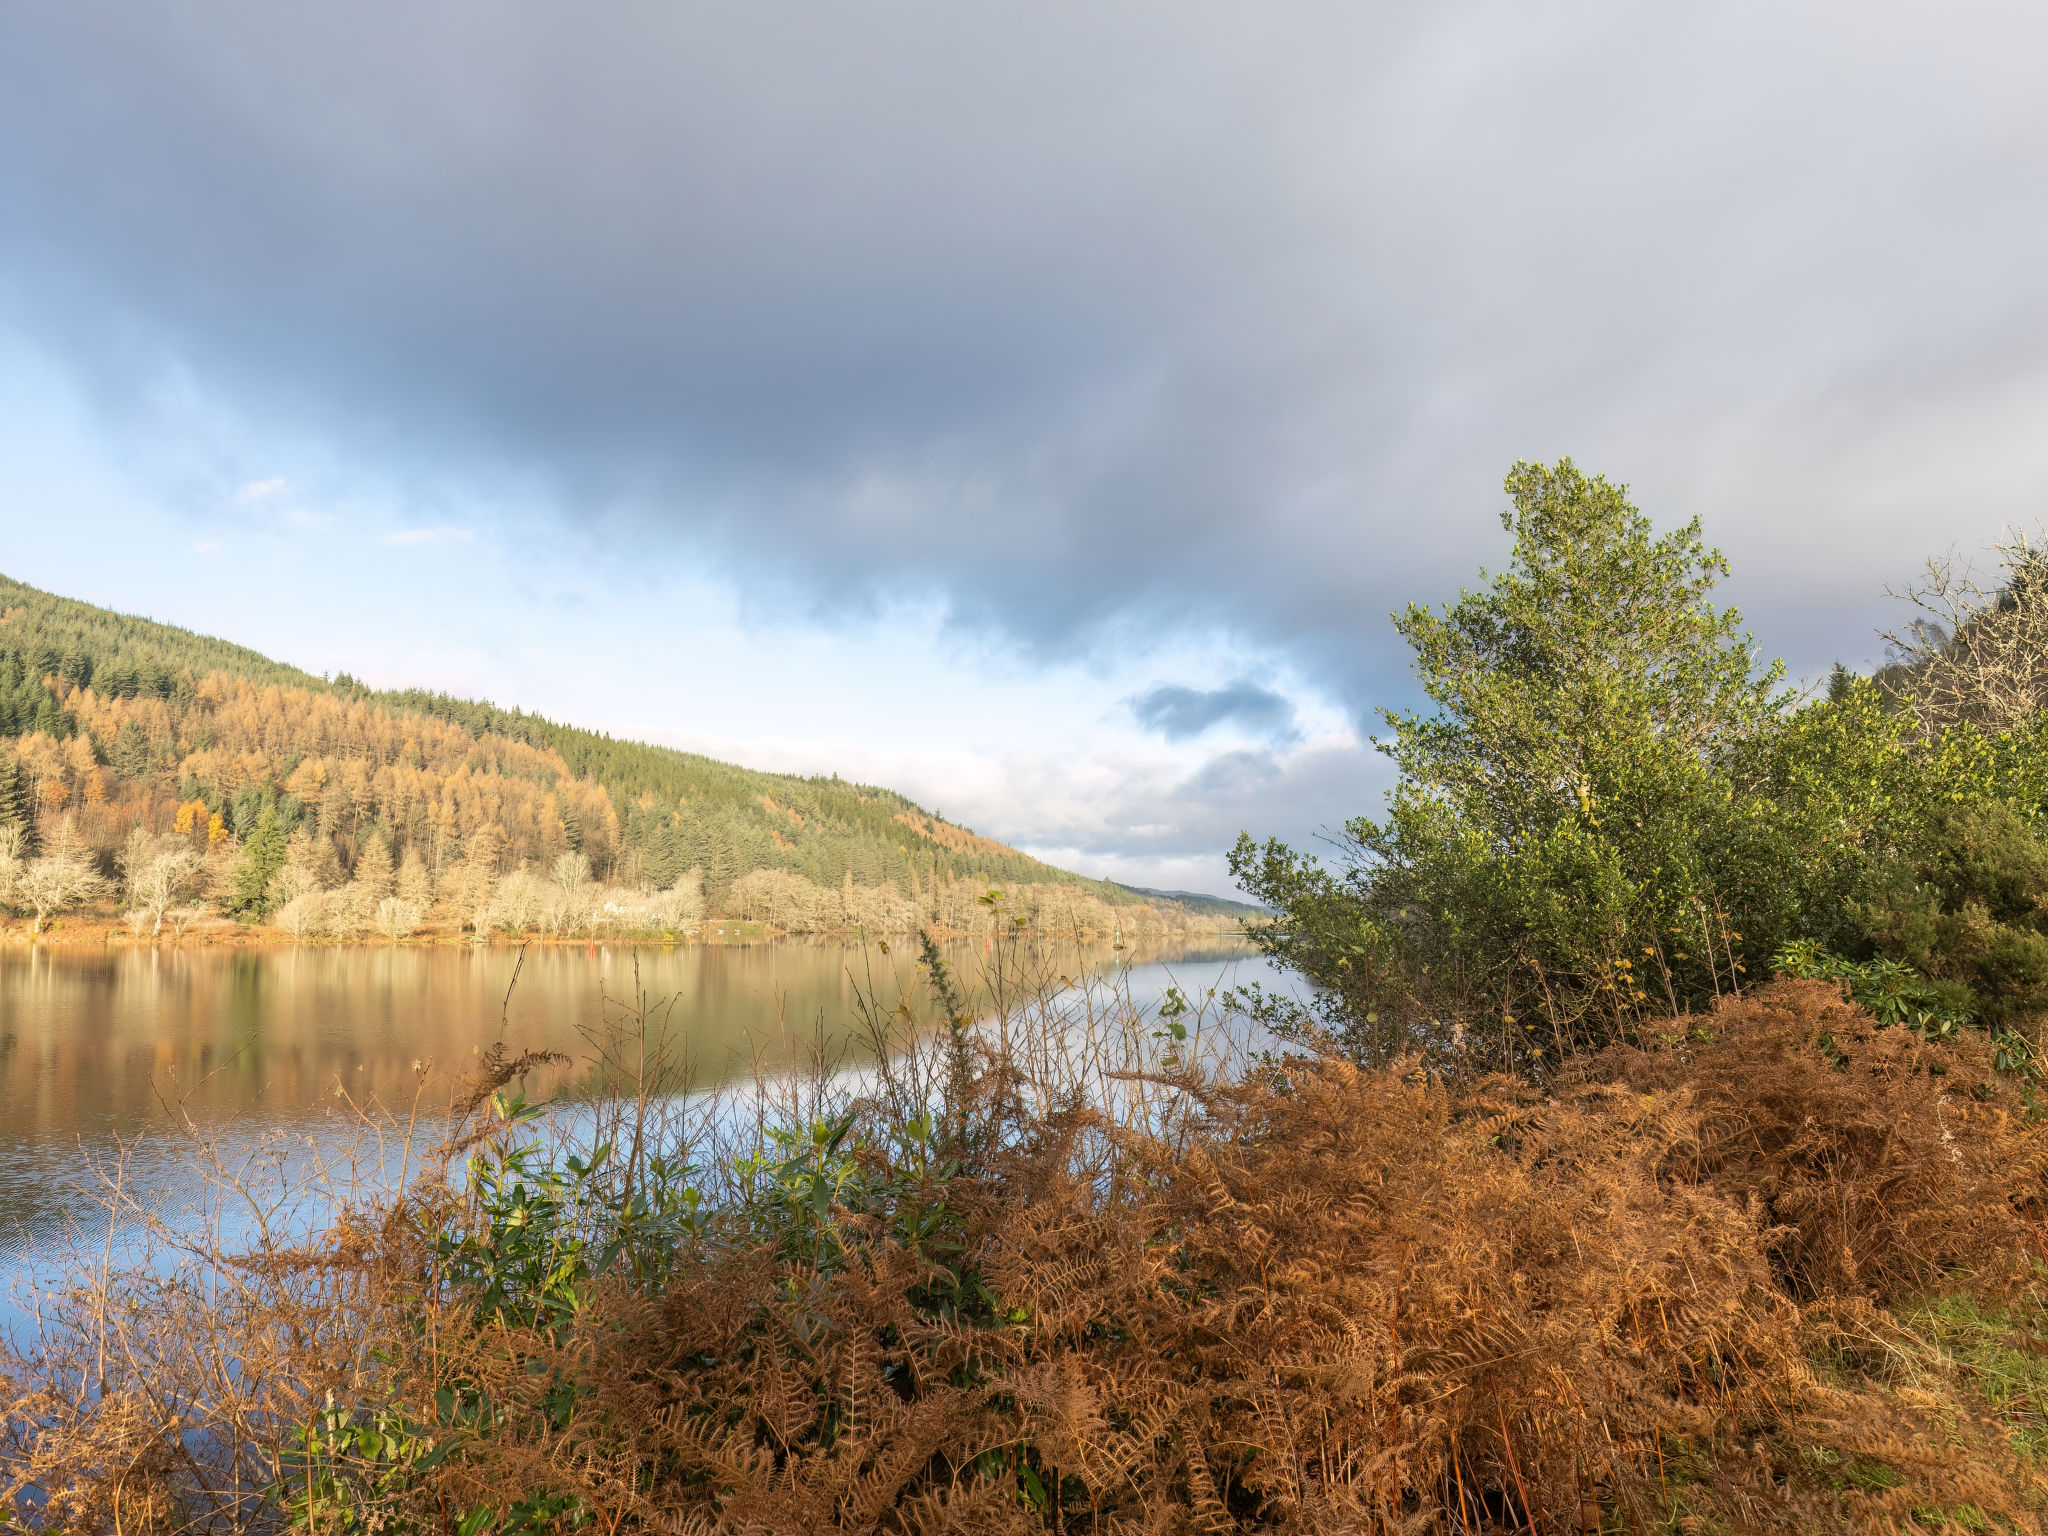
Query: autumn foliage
point(348, 764)
point(1664, 1293)
point(394, 820)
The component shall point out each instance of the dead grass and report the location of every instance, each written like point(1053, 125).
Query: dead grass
point(1780, 1272)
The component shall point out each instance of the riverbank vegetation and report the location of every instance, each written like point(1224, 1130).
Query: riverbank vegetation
point(1617, 812)
point(1088, 1267)
point(1547, 1209)
point(166, 891)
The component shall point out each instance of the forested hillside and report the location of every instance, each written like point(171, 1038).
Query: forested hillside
point(1208, 906)
point(111, 723)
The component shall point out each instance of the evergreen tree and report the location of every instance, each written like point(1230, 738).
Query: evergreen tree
point(263, 855)
point(13, 797)
point(302, 850)
point(325, 863)
point(251, 802)
point(130, 752)
point(664, 859)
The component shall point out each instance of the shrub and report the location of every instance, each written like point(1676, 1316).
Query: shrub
point(1966, 902)
point(1614, 816)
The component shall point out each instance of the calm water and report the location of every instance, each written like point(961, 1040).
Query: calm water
point(100, 1048)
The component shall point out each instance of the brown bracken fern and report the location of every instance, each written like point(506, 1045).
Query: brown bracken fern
point(1661, 1294)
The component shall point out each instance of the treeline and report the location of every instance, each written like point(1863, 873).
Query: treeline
point(824, 829)
point(109, 723)
point(69, 637)
point(1052, 908)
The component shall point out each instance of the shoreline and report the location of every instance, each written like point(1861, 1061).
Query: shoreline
point(112, 933)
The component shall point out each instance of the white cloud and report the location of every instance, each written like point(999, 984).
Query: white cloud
point(406, 538)
point(253, 492)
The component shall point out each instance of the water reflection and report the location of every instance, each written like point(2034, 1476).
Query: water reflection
point(97, 1048)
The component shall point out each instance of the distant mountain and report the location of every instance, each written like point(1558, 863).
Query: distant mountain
point(1196, 901)
point(117, 719)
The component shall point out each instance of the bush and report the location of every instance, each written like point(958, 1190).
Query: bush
point(1614, 816)
point(1966, 902)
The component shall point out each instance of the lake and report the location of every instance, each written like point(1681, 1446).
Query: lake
point(100, 1047)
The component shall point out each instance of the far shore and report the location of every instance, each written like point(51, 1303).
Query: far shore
point(75, 932)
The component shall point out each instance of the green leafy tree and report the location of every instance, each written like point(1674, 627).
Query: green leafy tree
point(1549, 864)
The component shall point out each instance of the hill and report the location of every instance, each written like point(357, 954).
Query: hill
point(113, 721)
point(1200, 902)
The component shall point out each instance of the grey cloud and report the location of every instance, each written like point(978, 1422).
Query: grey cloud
point(1180, 713)
point(1157, 829)
point(1077, 317)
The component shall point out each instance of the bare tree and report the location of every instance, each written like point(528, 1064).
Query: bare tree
point(520, 901)
point(1976, 650)
point(161, 872)
point(567, 905)
point(396, 917)
point(347, 911)
point(299, 901)
point(57, 881)
point(290, 883)
point(571, 872)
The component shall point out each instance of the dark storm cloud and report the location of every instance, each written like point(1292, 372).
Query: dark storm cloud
point(1180, 714)
point(1219, 314)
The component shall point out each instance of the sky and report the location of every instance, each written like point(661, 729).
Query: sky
point(1037, 409)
